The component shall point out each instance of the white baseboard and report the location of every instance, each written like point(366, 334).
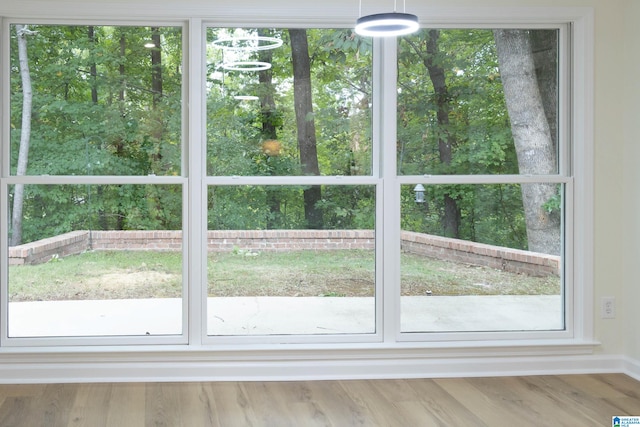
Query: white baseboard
point(178, 366)
point(632, 368)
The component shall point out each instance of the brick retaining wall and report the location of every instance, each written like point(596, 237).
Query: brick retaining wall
point(456, 250)
point(500, 258)
point(155, 240)
point(289, 240)
point(43, 250)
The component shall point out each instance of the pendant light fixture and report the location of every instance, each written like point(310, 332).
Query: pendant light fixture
point(387, 24)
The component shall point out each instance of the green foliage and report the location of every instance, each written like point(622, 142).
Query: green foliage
point(490, 214)
point(476, 129)
point(348, 207)
point(239, 132)
point(251, 207)
point(478, 122)
point(341, 85)
point(554, 204)
point(95, 112)
point(57, 209)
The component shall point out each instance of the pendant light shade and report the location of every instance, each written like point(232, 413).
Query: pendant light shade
point(387, 24)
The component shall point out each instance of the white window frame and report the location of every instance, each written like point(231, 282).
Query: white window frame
point(390, 344)
point(563, 176)
point(8, 180)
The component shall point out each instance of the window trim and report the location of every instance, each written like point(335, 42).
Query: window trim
point(7, 179)
point(563, 176)
point(580, 307)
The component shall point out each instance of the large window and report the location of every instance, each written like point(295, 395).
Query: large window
point(482, 217)
point(96, 200)
point(320, 187)
point(290, 102)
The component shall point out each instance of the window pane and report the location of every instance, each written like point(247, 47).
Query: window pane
point(478, 101)
point(106, 100)
point(271, 272)
point(288, 102)
point(475, 259)
point(97, 260)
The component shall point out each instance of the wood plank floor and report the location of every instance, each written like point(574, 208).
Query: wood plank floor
point(568, 400)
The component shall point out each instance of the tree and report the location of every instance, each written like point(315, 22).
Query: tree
point(156, 66)
point(269, 128)
point(93, 114)
point(261, 137)
point(25, 136)
point(475, 132)
point(93, 68)
point(446, 139)
point(532, 137)
point(544, 48)
point(305, 123)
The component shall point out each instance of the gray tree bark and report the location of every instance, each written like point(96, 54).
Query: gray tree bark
point(532, 137)
point(25, 134)
point(544, 47)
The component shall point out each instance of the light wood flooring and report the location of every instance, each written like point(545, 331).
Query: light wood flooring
point(567, 400)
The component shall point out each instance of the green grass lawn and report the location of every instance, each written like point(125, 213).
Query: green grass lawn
point(148, 274)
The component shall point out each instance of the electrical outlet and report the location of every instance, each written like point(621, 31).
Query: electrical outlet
point(608, 308)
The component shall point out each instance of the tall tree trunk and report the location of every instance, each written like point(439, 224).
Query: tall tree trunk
point(544, 47)
point(119, 144)
point(93, 68)
point(305, 123)
point(25, 134)
point(156, 89)
point(532, 137)
point(121, 71)
point(452, 216)
point(157, 130)
point(269, 128)
point(156, 66)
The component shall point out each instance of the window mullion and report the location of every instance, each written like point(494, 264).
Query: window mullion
point(196, 199)
point(390, 243)
point(4, 171)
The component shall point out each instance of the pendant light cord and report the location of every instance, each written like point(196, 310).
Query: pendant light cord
point(395, 6)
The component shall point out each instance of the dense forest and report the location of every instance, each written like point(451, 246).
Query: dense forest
point(108, 101)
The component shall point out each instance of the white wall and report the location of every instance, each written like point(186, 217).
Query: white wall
point(630, 204)
point(610, 232)
point(617, 126)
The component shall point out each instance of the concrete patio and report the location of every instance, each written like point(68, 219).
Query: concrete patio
point(284, 315)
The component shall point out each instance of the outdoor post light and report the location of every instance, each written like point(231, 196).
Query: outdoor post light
point(419, 190)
